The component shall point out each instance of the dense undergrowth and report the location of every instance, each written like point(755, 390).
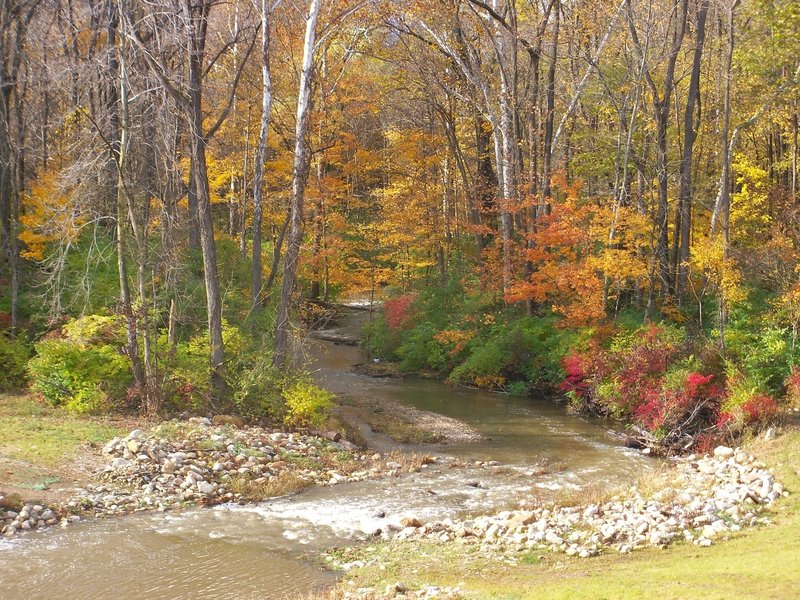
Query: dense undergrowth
point(79, 360)
point(671, 381)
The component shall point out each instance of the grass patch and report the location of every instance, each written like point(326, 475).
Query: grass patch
point(282, 484)
point(756, 563)
point(301, 461)
point(399, 429)
point(529, 558)
point(33, 432)
point(349, 430)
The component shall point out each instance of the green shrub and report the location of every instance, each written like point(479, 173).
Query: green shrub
point(83, 379)
point(485, 365)
point(91, 330)
point(420, 350)
point(257, 387)
point(306, 405)
point(187, 385)
point(14, 354)
point(378, 340)
point(768, 357)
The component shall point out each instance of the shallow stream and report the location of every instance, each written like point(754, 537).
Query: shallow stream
point(267, 550)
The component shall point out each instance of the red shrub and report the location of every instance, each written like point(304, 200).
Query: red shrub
point(723, 419)
point(759, 408)
point(682, 408)
point(652, 411)
point(398, 311)
point(576, 374)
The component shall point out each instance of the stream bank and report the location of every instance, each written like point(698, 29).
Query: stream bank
point(754, 562)
point(526, 449)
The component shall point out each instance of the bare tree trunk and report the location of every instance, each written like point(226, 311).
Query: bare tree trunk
point(197, 24)
point(117, 106)
point(276, 254)
point(722, 205)
point(507, 154)
point(690, 125)
point(661, 108)
point(487, 180)
point(194, 231)
point(299, 177)
point(547, 155)
point(261, 152)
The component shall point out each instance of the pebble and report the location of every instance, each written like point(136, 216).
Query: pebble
point(196, 463)
point(709, 497)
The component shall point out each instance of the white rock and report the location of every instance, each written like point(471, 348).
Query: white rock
point(205, 488)
point(723, 452)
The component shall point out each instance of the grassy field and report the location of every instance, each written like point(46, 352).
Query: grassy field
point(759, 563)
point(39, 445)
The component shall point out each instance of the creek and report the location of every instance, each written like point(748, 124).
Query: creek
point(266, 550)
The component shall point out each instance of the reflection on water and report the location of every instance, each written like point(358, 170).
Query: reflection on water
point(257, 551)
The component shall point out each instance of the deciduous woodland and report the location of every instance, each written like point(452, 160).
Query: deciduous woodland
point(595, 198)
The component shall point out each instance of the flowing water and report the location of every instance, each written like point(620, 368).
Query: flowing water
point(264, 550)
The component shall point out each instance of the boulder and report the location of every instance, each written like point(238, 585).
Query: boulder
point(410, 522)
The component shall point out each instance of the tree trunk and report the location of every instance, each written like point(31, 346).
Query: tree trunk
point(197, 23)
point(690, 125)
point(261, 153)
point(117, 105)
point(299, 177)
point(547, 154)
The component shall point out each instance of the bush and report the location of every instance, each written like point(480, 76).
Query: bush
point(188, 383)
point(746, 404)
point(485, 366)
point(420, 350)
point(306, 405)
point(83, 379)
point(14, 354)
point(257, 387)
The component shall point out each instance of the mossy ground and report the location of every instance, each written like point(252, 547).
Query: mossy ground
point(758, 563)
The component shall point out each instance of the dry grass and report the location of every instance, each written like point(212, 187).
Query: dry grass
point(283, 484)
point(349, 431)
point(649, 484)
point(401, 430)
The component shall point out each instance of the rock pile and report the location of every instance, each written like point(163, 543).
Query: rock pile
point(198, 462)
point(707, 498)
point(26, 517)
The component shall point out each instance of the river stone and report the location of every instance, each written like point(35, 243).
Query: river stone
point(119, 463)
point(205, 488)
point(235, 421)
point(111, 445)
point(723, 452)
point(521, 519)
point(551, 538)
point(410, 522)
point(48, 514)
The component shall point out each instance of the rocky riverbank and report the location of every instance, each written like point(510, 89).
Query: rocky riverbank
point(700, 500)
point(179, 464)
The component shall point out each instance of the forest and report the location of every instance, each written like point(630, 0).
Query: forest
point(373, 299)
point(595, 199)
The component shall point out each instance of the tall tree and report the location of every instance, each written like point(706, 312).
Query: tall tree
point(192, 25)
point(690, 123)
point(267, 6)
point(299, 177)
